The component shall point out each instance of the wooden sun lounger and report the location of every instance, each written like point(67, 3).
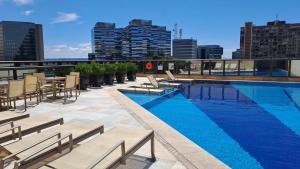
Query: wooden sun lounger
point(173, 79)
point(108, 150)
point(26, 126)
point(157, 84)
point(7, 116)
point(29, 150)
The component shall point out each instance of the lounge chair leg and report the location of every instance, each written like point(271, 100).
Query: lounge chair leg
point(25, 103)
point(7, 105)
point(123, 160)
point(76, 93)
point(65, 97)
point(37, 99)
point(14, 103)
point(153, 158)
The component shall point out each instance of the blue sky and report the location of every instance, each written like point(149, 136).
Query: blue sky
point(67, 23)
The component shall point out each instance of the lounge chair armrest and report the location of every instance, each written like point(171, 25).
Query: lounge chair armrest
point(33, 145)
point(109, 151)
point(13, 131)
point(10, 122)
point(45, 147)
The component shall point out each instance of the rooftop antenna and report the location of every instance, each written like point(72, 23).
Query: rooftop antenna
point(180, 33)
point(175, 31)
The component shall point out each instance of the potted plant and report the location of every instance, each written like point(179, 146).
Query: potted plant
point(97, 72)
point(109, 74)
point(85, 71)
point(121, 71)
point(131, 71)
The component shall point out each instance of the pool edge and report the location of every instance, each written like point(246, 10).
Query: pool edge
point(188, 153)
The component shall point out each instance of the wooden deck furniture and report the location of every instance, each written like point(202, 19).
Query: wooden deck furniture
point(7, 116)
point(27, 125)
point(77, 74)
point(43, 85)
point(69, 86)
point(157, 84)
point(55, 84)
point(31, 88)
point(15, 90)
point(107, 150)
point(30, 150)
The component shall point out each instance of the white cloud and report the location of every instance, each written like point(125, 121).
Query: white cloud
point(27, 13)
point(68, 51)
point(23, 2)
point(65, 17)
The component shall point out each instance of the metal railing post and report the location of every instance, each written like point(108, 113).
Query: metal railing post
point(223, 67)
point(189, 68)
point(202, 65)
point(239, 67)
point(209, 67)
point(289, 67)
point(254, 67)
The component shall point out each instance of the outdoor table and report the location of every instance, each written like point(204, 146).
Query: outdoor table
point(55, 81)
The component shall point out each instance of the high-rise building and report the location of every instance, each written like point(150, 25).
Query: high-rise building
point(209, 52)
point(184, 48)
point(140, 39)
point(21, 41)
point(236, 54)
point(105, 41)
point(277, 39)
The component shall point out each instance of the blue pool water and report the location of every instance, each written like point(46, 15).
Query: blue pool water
point(247, 125)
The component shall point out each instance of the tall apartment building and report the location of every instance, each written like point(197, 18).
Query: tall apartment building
point(140, 39)
point(277, 39)
point(184, 48)
point(21, 41)
point(209, 52)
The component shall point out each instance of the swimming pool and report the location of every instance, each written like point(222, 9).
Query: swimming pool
point(247, 125)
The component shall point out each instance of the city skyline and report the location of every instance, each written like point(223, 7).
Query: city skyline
point(67, 27)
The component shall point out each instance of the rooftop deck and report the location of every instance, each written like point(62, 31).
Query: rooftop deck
point(108, 106)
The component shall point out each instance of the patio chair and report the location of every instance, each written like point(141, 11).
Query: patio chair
point(31, 150)
point(77, 74)
point(43, 86)
point(107, 150)
point(15, 90)
point(7, 116)
point(69, 86)
point(26, 126)
point(31, 88)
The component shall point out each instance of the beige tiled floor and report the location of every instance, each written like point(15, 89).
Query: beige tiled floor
point(98, 105)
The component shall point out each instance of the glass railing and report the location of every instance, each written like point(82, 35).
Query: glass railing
point(228, 67)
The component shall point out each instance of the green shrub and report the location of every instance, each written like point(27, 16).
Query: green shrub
point(121, 68)
point(97, 69)
point(131, 67)
point(110, 69)
point(84, 69)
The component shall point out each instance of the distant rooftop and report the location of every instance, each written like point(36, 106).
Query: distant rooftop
point(105, 25)
point(140, 22)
